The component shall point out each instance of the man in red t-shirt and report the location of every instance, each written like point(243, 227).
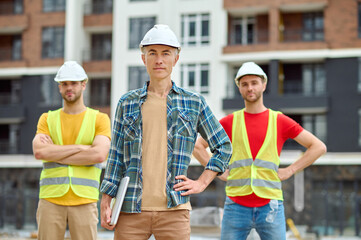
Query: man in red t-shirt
point(254, 193)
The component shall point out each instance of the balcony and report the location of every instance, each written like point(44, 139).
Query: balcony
point(14, 7)
point(8, 148)
point(97, 60)
point(302, 27)
point(98, 7)
point(9, 99)
point(8, 54)
point(98, 54)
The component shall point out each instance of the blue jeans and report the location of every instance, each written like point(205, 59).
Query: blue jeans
point(239, 220)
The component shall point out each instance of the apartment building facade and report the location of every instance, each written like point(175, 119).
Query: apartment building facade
point(310, 50)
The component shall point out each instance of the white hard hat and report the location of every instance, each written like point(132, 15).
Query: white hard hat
point(71, 71)
point(250, 68)
point(160, 34)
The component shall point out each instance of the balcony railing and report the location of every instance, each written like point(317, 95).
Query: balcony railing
point(7, 54)
point(97, 55)
point(261, 36)
point(7, 148)
point(299, 35)
point(8, 98)
point(98, 8)
point(298, 88)
point(8, 8)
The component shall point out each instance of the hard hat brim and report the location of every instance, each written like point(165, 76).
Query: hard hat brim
point(70, 80)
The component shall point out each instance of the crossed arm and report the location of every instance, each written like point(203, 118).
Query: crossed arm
point(45, 149)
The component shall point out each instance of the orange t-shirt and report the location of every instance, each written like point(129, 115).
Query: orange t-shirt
point(70, 126)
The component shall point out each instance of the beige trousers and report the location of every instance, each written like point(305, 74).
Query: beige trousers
point(164, 225)
point(52, 220)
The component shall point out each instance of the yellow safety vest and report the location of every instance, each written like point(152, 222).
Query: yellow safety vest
point(55, 178)
point(259, 176)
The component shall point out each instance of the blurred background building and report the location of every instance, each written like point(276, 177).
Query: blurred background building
point(310, 50)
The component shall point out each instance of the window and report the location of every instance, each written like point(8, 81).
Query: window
point(10, 91)
point(313, 26)
point(195, 77)
point(195, 30)
point(53, 42)
point(102, 6)
point(53, 5)
point(314, 79)
point(49, 91)
point(138, 27)
point(359, 19)
point(359, 127)
point(9, 138)
point(17, 45)
point(359, 76)
point(316, 124)
point(242, 31)
point(100, 92)
point(11, 7)
point(101, 47)
point(137, 77)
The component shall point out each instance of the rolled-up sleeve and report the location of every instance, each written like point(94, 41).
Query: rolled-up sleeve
point(219, 144)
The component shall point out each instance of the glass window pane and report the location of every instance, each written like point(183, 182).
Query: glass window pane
point(53, 42)
point(137, 77)
point(49, 91)
point(205, 28)
point(307, 122)
point(321, 127)
point(100, 92)
point(307, 79)
point(53, 5)
point(320, 79)
point(138, 27)
point(192, 29)
point(191, 79)
point(195, 30)
point(359, 127)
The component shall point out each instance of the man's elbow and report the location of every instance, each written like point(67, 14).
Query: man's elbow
point(38, 155)
point(323, 148)
point(100, 158)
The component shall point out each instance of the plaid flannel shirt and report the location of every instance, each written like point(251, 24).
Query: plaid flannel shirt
point(187, 115)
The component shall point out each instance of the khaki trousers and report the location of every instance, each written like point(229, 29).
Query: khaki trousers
point(52, 220)
point(164, 225)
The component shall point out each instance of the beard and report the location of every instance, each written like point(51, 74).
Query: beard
point(72, 99)
point(252, 99)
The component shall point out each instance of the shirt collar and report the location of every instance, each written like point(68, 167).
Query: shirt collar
point(143, 91)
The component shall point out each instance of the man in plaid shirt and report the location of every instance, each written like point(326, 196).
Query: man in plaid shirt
point(154, 132)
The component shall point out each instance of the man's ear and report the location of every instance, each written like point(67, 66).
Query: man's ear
point(83, 83)
point(176, 60)
point(264, 86)
point(143, 59)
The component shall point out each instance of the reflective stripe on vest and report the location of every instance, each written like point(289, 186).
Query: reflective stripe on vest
point(56, 178)
point(258, 176)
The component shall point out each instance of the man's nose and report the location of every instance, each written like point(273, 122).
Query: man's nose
point(159, 59)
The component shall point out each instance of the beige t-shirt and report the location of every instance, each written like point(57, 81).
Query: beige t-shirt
point(154, 155)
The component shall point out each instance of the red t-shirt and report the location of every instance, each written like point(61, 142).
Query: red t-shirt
point(256, 125)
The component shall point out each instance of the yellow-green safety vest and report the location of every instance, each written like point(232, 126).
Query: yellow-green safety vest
point(259, 176)
point(55, 178)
